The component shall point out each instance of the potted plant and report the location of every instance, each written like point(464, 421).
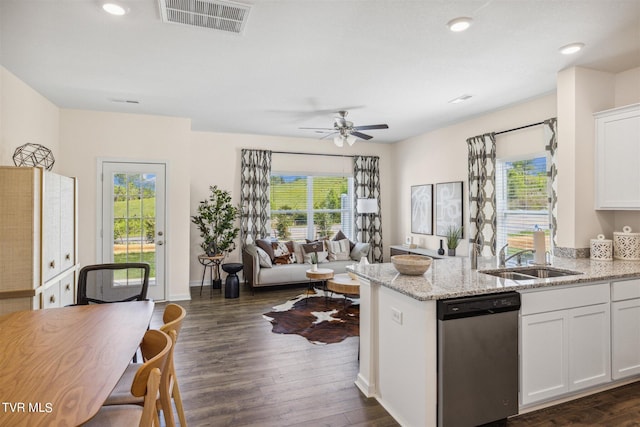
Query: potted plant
point(314, 261)
point(453, 235)
point(215, 219)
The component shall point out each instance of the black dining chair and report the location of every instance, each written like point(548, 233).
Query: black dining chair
point(107, 283)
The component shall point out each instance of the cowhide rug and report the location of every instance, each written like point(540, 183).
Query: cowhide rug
point(319, 320)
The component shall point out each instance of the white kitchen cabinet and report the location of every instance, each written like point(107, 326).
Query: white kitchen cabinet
point(564, 340)
point(617, 157)
point(589, 346)
point(625, 328)
point(37, 238)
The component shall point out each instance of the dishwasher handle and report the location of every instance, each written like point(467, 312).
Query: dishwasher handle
point(457, 308)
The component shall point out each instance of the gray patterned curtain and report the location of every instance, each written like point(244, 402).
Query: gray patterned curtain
point(482, 192)
point(254, 197)
point(551, 136)
point(366, 180)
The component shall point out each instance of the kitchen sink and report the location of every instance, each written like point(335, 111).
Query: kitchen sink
point(528, 273)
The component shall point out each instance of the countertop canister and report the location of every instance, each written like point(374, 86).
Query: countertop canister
point(601, 248)
point(626, 245)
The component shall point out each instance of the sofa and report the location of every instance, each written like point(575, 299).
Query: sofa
point(263, 268)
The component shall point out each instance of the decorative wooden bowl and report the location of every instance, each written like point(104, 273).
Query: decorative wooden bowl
point(411, 265)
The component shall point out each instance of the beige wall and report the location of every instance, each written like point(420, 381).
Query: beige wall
point(25, 116)
point(87, 136)
point(441, 156)
point(215, 160)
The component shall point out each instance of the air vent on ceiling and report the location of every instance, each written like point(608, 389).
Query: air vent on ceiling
point(217, 15)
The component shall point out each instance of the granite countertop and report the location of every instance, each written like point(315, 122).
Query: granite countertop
point(453, 277)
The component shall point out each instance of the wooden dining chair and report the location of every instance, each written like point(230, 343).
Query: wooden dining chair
point(145, 384)
point(172, 317)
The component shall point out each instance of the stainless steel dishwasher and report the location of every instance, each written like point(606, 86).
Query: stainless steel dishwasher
point(477, 359)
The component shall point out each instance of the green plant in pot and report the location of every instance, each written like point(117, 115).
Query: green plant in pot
point(215, 219)
point(453, 235)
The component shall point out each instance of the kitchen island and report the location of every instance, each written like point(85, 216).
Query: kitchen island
point(398, 330)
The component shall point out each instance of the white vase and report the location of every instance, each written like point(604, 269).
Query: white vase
point(314, 267)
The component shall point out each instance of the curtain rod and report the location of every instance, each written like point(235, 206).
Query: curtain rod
point(521, 127)
point(312, 154)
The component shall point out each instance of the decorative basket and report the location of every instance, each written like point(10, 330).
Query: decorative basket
point(601, 248)
point(626, 245)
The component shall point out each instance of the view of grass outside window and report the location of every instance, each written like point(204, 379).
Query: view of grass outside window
point(134, 222)
point(311, 207)
point(522, 203)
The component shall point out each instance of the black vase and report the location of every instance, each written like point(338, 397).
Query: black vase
point(441, 250)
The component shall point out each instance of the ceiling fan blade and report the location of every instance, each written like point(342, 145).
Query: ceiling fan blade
point(332, 129)
point(361, 135)
point(369, 127)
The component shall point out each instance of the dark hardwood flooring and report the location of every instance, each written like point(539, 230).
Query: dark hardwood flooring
point(234, 372)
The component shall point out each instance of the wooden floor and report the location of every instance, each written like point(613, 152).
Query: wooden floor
point(234, 372)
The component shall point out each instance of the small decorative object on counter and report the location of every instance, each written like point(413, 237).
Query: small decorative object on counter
point(454, 234)
point(626, 245)
point(601, 248)
point(441, 250)
point(411, 265)
point(33, 155)
point(539, 246)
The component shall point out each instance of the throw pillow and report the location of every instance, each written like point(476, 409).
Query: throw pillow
point(316, 246)
point(279, 249)
point(264, 258)
point(265, 245)
point(339, 251)
point(285, 259)
point(297, 250)
point(360, 250)
point(340, 236)
point(322, 257)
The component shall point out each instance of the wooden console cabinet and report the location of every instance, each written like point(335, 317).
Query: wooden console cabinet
point(38, 249)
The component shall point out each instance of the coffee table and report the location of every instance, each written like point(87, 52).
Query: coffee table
point(319, 275)
point(343, 284)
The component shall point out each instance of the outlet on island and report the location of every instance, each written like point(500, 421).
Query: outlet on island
point(396, 315)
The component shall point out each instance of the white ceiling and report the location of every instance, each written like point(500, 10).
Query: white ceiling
point(298, 61)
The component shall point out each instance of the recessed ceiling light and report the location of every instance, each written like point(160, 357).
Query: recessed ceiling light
point(460, 99)
point(459, 24)
point(114, 9)
point(571, 48)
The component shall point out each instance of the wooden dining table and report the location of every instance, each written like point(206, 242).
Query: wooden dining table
point(59, 365)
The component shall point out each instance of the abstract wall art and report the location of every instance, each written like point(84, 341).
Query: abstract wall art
point(422, 209)
point(448, 206)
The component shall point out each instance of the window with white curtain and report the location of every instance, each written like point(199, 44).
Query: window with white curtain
point(311, 206)
point(522, 202)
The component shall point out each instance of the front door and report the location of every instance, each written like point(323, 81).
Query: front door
point(133, 218)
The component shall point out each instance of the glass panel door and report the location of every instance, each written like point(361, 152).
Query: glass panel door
point(133, 220)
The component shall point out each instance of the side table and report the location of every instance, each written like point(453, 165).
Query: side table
point(213, 263)
point(343, 284)
point(232, 284)
point(321, 274)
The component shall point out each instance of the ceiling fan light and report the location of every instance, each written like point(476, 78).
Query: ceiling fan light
point(338, 140)
point(351, 139)
point(459, 24)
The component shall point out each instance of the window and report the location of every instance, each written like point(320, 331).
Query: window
point(522, 202)
point(310, 207)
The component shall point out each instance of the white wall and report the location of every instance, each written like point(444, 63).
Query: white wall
point(25, 116)
point(442, 156)
point(88, 135)
point(215, 160)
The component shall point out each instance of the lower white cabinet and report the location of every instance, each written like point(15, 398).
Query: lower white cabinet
point(625, 328)
point(564, 340)
point(60, 293)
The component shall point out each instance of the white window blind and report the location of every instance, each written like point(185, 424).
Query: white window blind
point(311, 207)
point(522, 202)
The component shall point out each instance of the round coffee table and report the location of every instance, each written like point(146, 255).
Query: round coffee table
point(319, 275)
point(343, 284)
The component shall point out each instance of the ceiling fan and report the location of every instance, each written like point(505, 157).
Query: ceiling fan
point(344, 130)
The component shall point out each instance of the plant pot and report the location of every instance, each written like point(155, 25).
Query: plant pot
point(452, 252)
point(314, 267)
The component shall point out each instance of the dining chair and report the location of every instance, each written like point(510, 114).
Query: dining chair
point(115, 282)
point(145, 384)
point(172, 317)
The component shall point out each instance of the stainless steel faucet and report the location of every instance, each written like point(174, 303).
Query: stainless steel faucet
point(503, 258)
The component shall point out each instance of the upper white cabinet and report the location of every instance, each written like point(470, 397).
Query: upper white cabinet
point(617, 158)
point(37, 239)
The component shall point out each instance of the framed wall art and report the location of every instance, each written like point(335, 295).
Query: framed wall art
point(422, 209)
point(448, 206)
